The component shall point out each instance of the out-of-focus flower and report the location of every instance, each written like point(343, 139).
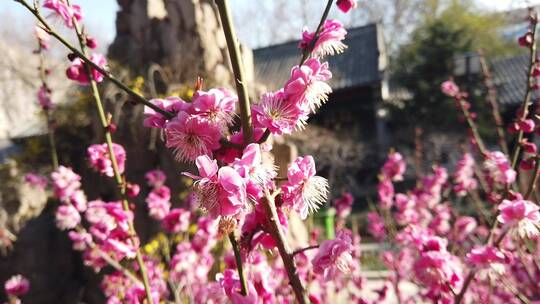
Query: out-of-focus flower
point(177, 220)
point(346, 5)
point(394, 167)
point(464, 177)
point(77, 70)
point(65, 11)
point(343, 205)
point(17, 286)
point(158, 202)
point(522, 215)
point(36, 180)
point(98, 155)
point(67, 217)
point(65, 182)
point(376, 225)
point(334, 256)
point(155, 178)
point(44, 98)
point(499, 168)
point(450, 88)
point(43, 37)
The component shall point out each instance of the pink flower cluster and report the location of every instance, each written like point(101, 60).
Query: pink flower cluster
point(99, 158)
point(198, 126)
point(158, 201)
point(464, 180)
point(65, 11)
point(306, 90)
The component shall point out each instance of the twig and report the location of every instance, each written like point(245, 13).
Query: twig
point(284, 250)
point(137, 98)
point(308, 51)
point(117, 175)
point(298, 251)
point(238, 69)
point(239, 266)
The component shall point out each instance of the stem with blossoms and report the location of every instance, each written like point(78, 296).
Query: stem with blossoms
point(308, 51)
point(245, 111)
point(46, 27)
point(238, 69)
point(119, 179)
point(533, 18)
point(287, 255)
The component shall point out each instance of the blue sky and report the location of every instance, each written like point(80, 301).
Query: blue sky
point(100, 15)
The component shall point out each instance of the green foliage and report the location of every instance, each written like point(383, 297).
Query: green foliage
point(427, 60)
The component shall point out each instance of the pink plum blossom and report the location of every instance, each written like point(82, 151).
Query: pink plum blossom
point(77, 70)
point(17, 286)
point(171, 104)
point(346, 5)
point(307, 86)
point(99, 158)
point(257, 174)
point(216, 105)
point(450, 88)
point(329, 41)
point(278, 114)
point(220, 191)
point(304, 191)
point(334, 256)
point(192, 136)
point(65, 11)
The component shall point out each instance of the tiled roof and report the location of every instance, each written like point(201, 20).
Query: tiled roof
point(361, 64)
point(510, 77)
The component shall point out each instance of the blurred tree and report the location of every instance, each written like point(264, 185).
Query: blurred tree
point(448, 30)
